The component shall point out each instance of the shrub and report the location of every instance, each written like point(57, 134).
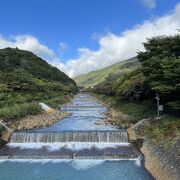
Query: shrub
point(173, 107)
point(1, 128)
point(167, 127)
point(19, 111)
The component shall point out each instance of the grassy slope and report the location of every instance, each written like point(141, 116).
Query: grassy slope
point(137, 111)
point(26, 80)
point(95, 77)
point(167, 129)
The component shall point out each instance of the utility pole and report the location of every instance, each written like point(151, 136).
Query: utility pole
point(158, 99)
point(3, 124)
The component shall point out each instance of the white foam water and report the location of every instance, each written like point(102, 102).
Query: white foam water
point(72, 169)
point(67, 145)
point(42, 161)
point(138, 161)
point(70, 136)
point(77, 164)
point(86, 164)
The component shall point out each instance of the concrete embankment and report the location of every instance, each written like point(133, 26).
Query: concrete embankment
point(163, 165)
point(35, 121)
point(163, 162)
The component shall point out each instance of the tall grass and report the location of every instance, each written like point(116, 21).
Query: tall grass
point(1, 128)
point(19, 111)
point(56, 101)
point(166, 128)
point(137, 111)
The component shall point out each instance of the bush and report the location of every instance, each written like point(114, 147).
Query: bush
point(54, 102)
point(173, 107)
point(131, 86)
point(1, 128)
point(19, 111)
point(167, 127)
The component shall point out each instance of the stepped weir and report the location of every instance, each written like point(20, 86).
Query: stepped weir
point(82, 145)
point(78, 136)
point(69, 136)
point(69, 145)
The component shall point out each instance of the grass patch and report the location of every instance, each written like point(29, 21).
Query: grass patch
point(167, 128)
point(55, 102)
point(1, 141)
point(1, 128)
point(136, 111)
point(19, 111)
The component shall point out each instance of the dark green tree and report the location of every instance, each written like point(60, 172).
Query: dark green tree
point(161, 67)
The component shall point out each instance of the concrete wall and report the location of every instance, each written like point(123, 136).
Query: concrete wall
point(163, 163)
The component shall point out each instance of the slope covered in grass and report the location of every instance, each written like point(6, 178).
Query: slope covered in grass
point(115, 70)
point(26, 80)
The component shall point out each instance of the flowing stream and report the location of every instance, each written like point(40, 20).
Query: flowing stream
point(80, 147)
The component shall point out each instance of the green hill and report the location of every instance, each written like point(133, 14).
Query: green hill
point(115, 70)
point(26, 80)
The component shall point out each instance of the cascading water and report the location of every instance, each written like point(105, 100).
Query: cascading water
point(69, 136)
point(81, 140)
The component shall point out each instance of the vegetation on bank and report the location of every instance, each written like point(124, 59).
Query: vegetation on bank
point(158, 74)
point(26, 80)
point(135, 110)
point(166, 129)
point(128, 113)
point(134, 92)
point(1, 141)
point(10, 113)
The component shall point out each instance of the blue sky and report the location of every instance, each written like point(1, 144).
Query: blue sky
point(75, 31)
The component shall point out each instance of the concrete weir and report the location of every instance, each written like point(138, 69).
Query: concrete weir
point(81, 146)
point(69, 136)
point(47, 152)
point(76, 137)
point(70, 145)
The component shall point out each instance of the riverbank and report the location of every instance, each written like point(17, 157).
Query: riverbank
point(44, 119)
point(162, 163)
point(29, 120)
point(161, 157)
point(31, 115)
point(159, 139)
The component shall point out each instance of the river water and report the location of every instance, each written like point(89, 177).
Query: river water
point(80, 147)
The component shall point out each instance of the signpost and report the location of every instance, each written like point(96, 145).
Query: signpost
point(159, 107)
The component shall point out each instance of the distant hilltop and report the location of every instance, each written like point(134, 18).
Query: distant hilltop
point(16, 60)
point(95, 77)
point(26, 80)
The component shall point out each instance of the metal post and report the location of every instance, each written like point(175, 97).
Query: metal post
point(158, 99)
point(5, 126)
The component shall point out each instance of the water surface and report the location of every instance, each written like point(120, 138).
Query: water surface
point(86, 114)
point(72, 170)
point(86, 117)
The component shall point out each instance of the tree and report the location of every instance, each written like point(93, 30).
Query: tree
point(161, 66)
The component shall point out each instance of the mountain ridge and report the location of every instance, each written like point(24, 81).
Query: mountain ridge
point(95, 77)
point(26, 80)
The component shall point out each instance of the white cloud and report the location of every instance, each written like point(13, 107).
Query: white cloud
point(27, 42)
point(151, 4)
point(63, 46)
point(112, 48)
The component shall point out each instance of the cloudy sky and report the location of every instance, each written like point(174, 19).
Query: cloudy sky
point(79, 36)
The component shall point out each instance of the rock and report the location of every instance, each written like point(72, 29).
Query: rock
point(139, 127)
point(99, 123)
